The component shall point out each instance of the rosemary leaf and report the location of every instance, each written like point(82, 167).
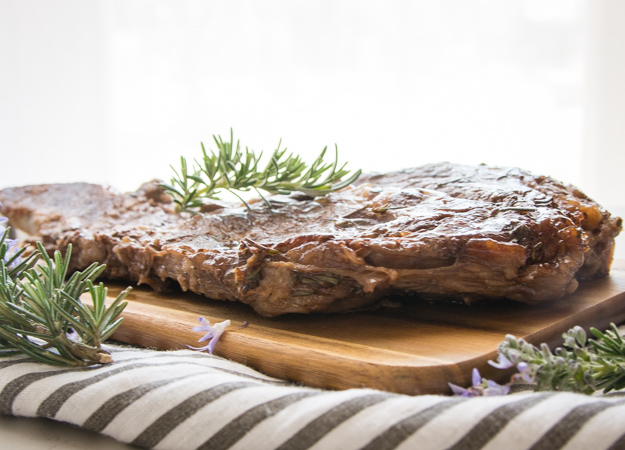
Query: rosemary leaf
point(41, 314)
point(234, 170)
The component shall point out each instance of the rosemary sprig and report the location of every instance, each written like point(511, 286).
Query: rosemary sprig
point(580, 365)
point(41, 314)
point(235, 170)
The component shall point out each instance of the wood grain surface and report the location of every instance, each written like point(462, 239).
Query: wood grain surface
point(415, 349)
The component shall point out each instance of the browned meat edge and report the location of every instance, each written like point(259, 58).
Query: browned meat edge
point(442, 231)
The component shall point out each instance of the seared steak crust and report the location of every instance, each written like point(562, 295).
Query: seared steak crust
point(441, 231)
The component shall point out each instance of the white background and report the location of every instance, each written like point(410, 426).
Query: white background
point(115, 91)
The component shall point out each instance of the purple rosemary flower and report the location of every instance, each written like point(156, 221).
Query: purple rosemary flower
point(213, 333)
point(502, 362)
point(481, 387)
point(493, 388)
point(72, 335)
point(476, 378)
point(2, 219)
point(524, 374)
point(10, 253)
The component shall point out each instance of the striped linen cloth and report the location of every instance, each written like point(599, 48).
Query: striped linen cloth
point(187, 400)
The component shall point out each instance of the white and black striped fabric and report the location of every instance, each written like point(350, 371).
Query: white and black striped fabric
point(188, 400)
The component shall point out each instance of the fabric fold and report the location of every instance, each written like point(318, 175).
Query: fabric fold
point(188, 400)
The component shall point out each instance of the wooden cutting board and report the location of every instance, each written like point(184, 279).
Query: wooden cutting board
point(415, 349)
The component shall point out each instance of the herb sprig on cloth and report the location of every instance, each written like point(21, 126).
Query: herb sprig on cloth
point(235, 170)
point(41, 314)
point(582, 364)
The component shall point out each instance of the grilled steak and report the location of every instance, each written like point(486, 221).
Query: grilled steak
point(440, 231)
